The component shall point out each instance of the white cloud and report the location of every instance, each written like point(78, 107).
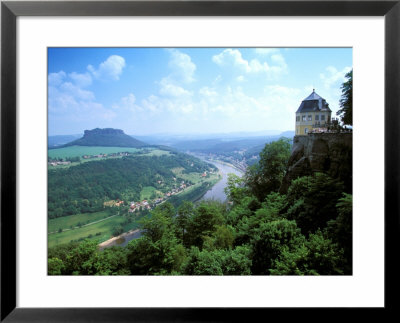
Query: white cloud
point(168, 88)
point(281, 90)
point(56, 79)
point(111, 68)
point(280, 61)
point(81, 80)
point(208, 92)
point(128, 103)
point(233, 57)
point(67, 99)
point(240, 78)
point(182, 66)
point(152, 104)
point(76, 92)
point(334, 76)
point(173, 97)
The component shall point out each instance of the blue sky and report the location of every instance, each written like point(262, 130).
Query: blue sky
point(188, 90)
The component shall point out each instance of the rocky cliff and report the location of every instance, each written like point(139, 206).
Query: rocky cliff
point(329, 153)
point(107, 137)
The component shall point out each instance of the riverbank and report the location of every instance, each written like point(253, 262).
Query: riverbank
point(226, 164)
point(214, 191)
point(217, 192)
point(209, 160)
point(118, 240)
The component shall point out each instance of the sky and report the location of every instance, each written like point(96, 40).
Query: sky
point(146, 91)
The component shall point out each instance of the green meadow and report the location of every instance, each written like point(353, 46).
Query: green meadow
point(68, 222)
point(148, 191)
point(101, 230)
point(79, 151)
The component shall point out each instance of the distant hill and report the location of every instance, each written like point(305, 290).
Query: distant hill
point(288, 134)
point(220, 146)
point(107, 137)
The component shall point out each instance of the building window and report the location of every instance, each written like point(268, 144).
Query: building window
point(305, 130)
point(303, 118)
point(309, 117)
point(316, 117)
point(298, 118)
point(323, 118)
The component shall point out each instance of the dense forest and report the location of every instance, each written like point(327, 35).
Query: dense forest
point(85, 187)
point(307, 231)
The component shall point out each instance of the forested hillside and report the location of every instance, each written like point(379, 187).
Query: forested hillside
point(85, 187)
point(307, 231)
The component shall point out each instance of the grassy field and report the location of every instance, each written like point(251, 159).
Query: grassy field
point(193, 177)
point(79, 151)
point(103, 230)
point(66, 222)
point(147, 192)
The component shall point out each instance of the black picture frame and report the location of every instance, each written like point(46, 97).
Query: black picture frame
point(10, 10)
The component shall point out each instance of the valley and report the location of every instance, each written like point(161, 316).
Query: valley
point(97, 192)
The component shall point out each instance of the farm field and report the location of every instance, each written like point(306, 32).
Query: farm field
point(100, 231)
point(66, 222)
point(148, 191)
point(79, 151)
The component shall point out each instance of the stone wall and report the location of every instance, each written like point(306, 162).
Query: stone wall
point(329, 153)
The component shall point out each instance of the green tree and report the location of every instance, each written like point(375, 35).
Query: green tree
point(312, 201)
point(81, 259)
point(268, 242)
point(346, 101)
point(248, 226)
point(112, 261)
point(202, 263)
point(224, 237)
point(156, 225)
point(55, 266)
point(185, 214)
point(160, 257)
point(266, 176)
point(167, 209)
point(117, 230)
point(317, 256)
point(340, 230)
point(235, 190)
point(207, 216)
point(218, 262)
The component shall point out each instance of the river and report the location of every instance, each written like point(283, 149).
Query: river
point(217, 191)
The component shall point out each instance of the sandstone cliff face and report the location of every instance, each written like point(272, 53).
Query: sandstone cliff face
point(329, 153)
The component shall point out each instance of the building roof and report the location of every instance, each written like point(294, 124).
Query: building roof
point(313, 103)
